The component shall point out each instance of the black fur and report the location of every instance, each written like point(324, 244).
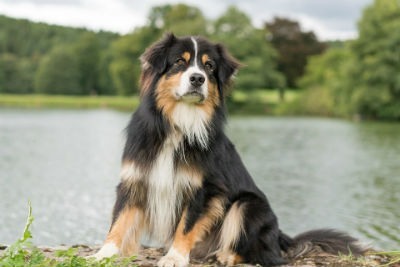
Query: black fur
point(224, 175)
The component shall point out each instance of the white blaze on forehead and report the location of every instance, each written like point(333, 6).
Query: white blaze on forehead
point(195, 50)
point(185, 78)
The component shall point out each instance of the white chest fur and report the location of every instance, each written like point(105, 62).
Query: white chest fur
point(162, 195)
point(166, 191)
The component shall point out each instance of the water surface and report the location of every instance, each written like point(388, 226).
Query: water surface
point(315, 172)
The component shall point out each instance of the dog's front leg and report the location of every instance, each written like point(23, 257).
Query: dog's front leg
point(185, 239)
point(124, 235)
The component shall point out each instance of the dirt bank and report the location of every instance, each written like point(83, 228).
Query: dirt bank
point(150, 256)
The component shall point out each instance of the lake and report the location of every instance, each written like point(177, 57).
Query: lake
point(316, 173)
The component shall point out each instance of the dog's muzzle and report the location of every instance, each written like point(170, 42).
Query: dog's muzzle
point(194, 95)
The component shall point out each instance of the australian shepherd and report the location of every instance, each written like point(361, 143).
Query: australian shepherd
point(183, 183)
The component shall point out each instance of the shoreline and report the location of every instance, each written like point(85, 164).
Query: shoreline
point(149, 257)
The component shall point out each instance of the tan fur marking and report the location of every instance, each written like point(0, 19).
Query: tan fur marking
point(184, 243)
point(232, 227)
point(212, 100)
point(125, 232)
point(186, 56)
point(165, 99)
point(146, 78)
point(229, 258)
point(129, 171)
point(204, 58)
point(194, 176)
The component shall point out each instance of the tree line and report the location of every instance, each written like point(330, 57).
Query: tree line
point(358, 77)
point(41, 58)
point(361, 77)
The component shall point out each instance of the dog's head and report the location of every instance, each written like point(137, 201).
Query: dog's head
point(188, 70)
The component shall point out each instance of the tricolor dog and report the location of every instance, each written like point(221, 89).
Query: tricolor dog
point(183, 183)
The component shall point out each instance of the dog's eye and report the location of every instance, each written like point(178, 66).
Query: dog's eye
point(180, 61)
point(209, 65)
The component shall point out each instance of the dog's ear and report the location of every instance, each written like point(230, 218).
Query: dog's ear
point(155, 56)
point(154, 61)
point(227, 66)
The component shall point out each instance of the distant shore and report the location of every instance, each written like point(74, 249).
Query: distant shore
point(261, 102)
point(69, 102)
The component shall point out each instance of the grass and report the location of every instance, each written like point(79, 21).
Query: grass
point(393, 255)
point(24, 254)
point(240, 102)
point(75, 102)
point(264, 96)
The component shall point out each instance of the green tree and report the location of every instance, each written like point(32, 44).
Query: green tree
point(58, 73)
point(248, 44)
point(125, 65)
point(324, 82)
point(180, 19)
point(375, 92)
point(294, 47)
point(16, 74)
point(105, 82)
point(87, 50)
point(361, 78)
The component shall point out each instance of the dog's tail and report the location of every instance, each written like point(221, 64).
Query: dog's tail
point(327, 240)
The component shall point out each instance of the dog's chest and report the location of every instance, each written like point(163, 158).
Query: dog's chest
point(167, 191)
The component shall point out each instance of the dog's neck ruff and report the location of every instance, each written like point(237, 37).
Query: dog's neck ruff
point(193, 123)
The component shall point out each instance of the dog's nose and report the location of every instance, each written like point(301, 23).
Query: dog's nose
point(197, 79)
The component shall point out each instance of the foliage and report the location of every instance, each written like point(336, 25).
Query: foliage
point(249, 46)
point(24, 44)
point(180, 19)
point(324, 79)
point(16, 74)
point(77, 61)
point(376, 91)
point(125, 65)
point(58, 73)
point(24, 254)
point(360, 78)
point(394, 255)
point(88, 50)
point(294, 47)
point(357, 78)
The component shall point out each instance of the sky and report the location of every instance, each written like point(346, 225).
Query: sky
point(329, 19)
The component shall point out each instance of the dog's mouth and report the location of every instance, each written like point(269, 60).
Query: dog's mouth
point(193, 97)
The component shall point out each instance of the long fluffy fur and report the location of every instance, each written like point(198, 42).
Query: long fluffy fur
point(177, 160)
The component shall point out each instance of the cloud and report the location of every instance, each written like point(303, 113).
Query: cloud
point(328, 19)
point(46, 2)
point(92, 14)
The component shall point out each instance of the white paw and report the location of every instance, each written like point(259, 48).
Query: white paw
point(107, 251)
point(173, 259)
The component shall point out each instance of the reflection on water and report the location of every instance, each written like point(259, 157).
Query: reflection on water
point(316, 173)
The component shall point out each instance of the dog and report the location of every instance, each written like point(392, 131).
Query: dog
point(183, 183)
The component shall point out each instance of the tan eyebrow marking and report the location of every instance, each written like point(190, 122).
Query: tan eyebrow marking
point(205, 58)
point(186, 56)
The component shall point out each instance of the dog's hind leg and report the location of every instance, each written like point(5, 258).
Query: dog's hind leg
point(250, 234)
point(188, 234)
point(232, 230)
